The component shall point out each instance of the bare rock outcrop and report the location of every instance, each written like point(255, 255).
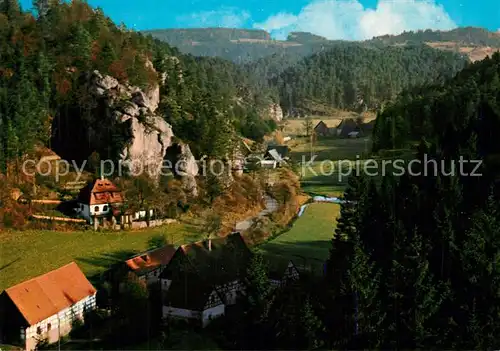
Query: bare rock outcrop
point(181, 160)
point(275, 112)
point(150, 135)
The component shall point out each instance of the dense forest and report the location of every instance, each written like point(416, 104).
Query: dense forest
point(465, 35)
point(351, 76)
point(308, 71)
point(46, 57)
point(248, 46)
point(238, 45)
point(421, 269)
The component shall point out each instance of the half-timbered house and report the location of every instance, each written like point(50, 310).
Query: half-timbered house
point(203, 278)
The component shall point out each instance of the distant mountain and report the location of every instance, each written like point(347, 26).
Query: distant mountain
point(476, 43)
point(466, 36)
point(248, 45)
point(357, 77)
point(306, 38)
point(312, 74)
point(239, 45)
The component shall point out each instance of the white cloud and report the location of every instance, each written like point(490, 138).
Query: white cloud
point(348, 19)
point(224, 17)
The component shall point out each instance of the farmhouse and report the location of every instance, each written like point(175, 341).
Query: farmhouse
point(280, 275)
point(347, 127)
point(98, 199)
point(322, 129)
point(203, 278)
point(275, 156)
point(46, 306)
point(148, 265)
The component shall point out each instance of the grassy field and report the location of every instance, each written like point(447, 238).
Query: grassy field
point(327, 174)
point(308, 242)
point(26, 254)
point(295, 126)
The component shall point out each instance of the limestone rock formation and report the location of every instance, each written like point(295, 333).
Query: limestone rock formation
point(275, 112)
point(151, 135)
point(183, 166)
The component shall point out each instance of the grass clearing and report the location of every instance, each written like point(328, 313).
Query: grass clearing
point(327, 174)
point(308, 241)
point(295, 126)
point(27, 254)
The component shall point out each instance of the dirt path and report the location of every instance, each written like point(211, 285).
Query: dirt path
point(271, 206)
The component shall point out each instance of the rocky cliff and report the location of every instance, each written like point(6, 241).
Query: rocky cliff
point(150, 137)
point(275, 112)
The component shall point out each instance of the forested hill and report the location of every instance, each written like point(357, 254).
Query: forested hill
point(460, 36)
point(464, 109)
point(238, 45)
point(423, 264)
point(44, 71)
point(352, 76)
point(244, 46)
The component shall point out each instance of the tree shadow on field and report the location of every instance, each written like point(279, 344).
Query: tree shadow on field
point(107, 260)
point(311, 254)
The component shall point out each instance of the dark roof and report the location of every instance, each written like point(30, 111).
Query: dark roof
point(196, 271)
point(44, 296)
point(281, 149)
point(99, 192)
point(347, 126)
point(151, 260)
point(321, 124)
point(225, 262)
point(278, 268)
point(189, 292)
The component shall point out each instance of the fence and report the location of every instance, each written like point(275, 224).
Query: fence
point(59, 219)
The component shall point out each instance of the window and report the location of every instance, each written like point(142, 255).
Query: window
point(49, 326)
point(96, 209)
point(105, 208)
point(39, 330)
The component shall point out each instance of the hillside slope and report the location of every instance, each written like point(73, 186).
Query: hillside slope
point(355, 77)
point(47, 64)
point(243, 46)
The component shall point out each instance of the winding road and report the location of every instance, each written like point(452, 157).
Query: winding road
point(271, 206)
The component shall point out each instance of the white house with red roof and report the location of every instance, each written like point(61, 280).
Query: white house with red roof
point(99, 199)
point(45, 307)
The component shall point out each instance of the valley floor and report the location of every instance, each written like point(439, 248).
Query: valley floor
point(26, 254)
point(307, 243)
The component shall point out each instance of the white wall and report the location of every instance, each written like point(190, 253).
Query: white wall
point(143, 214)
point(206, 316)
point(101, 210)
point(60, 324)
point(231, 295)
point(180, 313)
point(154, 276)
point(212, 313)
point(84, 211)
point(165, 284)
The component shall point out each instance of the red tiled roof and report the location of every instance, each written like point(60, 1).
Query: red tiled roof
point(48, 294)
point(101, 191)
point(151, 259)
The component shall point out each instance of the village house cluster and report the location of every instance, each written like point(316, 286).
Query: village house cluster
point(198, 282)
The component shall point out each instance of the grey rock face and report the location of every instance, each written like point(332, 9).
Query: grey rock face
point(151, 135)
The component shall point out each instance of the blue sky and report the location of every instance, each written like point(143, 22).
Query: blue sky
point(334, 19)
